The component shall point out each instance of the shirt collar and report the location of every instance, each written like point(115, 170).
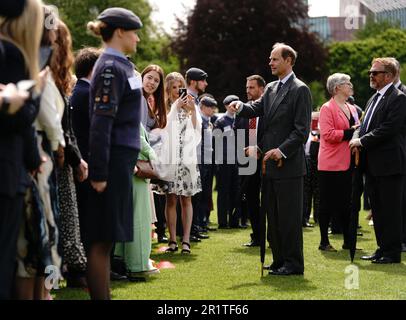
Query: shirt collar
point(384, 89)
point(85, 80)
point(114, 52)
point(286, 78)
point(232, 116)
point(397, 84)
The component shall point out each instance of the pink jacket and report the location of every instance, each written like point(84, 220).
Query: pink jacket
point(334, 153)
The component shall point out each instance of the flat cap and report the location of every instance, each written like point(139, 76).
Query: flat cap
point(120, 18)
point(11, 8)
point(208, 102)
point(196, 74)
point(230, 99)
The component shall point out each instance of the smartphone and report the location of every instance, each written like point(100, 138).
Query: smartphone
point(182, 92)
point(45, 54)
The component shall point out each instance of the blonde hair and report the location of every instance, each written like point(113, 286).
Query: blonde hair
point(388, 64)
point(169, 80)
point(25, 33)
point(101, 29)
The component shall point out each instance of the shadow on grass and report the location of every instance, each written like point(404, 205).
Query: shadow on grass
point(392, 269)
point(342, 254)
point(253, 251)
point(281, 283)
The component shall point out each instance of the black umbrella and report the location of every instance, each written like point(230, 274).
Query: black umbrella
point(356, 194)
point(262, 216)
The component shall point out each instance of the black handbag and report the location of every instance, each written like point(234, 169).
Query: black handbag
point(145, 170)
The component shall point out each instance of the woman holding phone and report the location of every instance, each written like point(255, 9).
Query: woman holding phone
point(184, 132)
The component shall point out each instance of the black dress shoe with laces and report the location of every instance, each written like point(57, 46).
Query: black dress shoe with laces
point(285, 271)
point(386, 260)
point(163, 239)
point(371, 257)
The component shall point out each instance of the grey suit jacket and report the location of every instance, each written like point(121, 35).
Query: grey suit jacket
point(286, 119)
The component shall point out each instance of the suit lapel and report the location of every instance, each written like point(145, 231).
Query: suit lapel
point(278, 98)
point(381, 103)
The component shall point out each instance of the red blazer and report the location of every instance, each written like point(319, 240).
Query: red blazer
point(334, 153)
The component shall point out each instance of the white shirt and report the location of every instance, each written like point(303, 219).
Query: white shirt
point(373, 108)
point(286, 78)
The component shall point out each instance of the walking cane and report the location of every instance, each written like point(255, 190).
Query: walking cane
point(263, 219)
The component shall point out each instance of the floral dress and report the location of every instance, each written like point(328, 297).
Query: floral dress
point(184, 184)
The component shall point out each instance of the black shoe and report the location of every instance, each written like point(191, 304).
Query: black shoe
point(371, 257)
point(386, 260)
point(251, 244)
point(327, 247)
point(163, 239)
point(194, 238)
point(273, 267)
point(284, 271)
point(117, 277)
point(244, 226)
point(307, 225)
point(76, 282)
point(202, 236)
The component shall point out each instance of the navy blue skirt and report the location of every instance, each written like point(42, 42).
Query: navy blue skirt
point(110, 214)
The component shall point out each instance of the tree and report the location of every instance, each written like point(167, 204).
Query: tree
point(153, 48)
point(231, 40)
point(373, 28)
point(354, 58)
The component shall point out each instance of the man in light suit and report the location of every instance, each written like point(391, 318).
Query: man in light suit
point(381, 139)
point(286, 108)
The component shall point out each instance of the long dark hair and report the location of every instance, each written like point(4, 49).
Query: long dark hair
point(159, 96)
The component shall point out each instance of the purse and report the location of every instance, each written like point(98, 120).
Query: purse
point(145, 170)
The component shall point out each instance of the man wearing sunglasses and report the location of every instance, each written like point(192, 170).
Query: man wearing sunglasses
point(381, 139)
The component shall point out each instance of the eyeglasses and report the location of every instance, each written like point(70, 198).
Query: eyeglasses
point(375, 73)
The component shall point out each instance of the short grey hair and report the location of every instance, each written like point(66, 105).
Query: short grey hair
point(397, 65)
point(335, 80)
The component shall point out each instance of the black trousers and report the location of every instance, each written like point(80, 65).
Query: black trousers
point(283, 202)
point(386, 195)
point(11, 213)
point(160, 224)
point(335, 201)
point(228, 195)
point(252, 187)
point(201, 200)
point(404, 212)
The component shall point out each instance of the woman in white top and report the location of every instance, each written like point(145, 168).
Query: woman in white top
point(183, 132)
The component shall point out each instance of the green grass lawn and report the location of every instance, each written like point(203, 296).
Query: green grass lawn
point(220, 268)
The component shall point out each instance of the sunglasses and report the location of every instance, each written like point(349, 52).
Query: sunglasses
point(375, 73)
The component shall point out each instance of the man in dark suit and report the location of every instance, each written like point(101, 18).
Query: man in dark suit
point(400, 86)
point(84, 63)
point(381, 138)
point(255, 87)
point(286, 108)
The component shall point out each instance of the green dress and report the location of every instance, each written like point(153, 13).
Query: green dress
point(136, 254)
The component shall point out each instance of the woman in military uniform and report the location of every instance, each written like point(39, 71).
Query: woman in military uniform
point(114, 144)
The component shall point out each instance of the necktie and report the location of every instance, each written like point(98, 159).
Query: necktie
point(280, 84)
point(365, 123)
point(252, 133)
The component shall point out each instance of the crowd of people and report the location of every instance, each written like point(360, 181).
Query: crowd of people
point(91, 159)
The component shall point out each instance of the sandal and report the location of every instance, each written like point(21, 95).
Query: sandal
point(170, 249)
point(186, 250)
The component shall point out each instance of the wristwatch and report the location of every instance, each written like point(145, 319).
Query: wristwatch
point(5, 105)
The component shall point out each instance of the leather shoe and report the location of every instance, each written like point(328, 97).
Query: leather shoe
point(194, 238)
point(202, 236)
point(163, 239)
point(284, 271)
point(371, 257)
point(251, 244)
point(273, 267)
point(386, 260)
point(117, 277)
point(307, 225)
point(327, 247)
